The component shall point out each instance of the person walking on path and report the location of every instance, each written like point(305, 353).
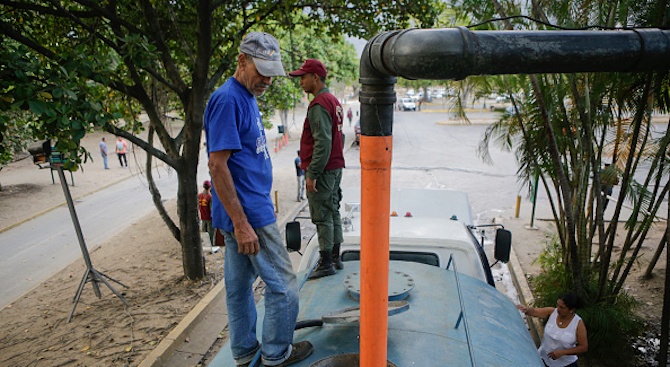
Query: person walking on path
point(121, 150)
point(564, 334)
point(350, 115)
point(103, 152)
point(205, 209)
point(241, 171)
point(300, 173)
point(322, 158)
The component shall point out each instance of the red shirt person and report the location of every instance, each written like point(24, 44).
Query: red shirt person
point(205, 208)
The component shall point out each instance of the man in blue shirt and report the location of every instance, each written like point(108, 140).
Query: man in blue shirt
point(241, 170)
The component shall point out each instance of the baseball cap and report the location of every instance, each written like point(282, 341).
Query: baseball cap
point(206, 184)
point(311, 66)
point(264, 49)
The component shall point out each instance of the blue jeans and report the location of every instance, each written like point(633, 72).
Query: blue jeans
point(104, 160)
point(274, 267)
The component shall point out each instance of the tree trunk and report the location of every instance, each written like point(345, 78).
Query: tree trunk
point(650, 268)
point(187, 207)
point(187, 193)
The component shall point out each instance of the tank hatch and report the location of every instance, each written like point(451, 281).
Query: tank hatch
point(400, 284)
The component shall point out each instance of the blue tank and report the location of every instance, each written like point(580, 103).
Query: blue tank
point(431, 325)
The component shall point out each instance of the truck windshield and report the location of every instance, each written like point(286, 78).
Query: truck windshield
point(417, 257)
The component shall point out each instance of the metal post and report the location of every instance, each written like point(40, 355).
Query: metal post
point(532, 215)
point(90, 274)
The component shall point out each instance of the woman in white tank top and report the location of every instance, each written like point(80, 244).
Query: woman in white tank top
point(564, 334)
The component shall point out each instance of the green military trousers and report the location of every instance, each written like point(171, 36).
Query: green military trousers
point(324, 208)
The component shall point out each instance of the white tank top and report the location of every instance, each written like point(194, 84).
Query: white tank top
point(558, 338)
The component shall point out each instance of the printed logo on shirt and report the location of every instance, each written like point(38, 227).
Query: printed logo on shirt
point(261, 143)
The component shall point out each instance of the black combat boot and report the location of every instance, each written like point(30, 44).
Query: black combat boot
point(325, 266)
point(337, 260)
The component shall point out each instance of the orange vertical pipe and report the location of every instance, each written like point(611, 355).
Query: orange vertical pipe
point(376, 152)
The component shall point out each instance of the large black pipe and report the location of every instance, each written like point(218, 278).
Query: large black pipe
point(454, 53)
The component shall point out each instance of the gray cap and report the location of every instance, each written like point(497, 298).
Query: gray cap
point(264, 49)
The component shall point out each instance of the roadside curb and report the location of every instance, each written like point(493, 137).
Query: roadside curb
point(159, 356)
point(525, 296)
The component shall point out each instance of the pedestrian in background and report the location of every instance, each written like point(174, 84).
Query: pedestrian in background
point(241, 171)
point(205, 209)
point(121, 149)
point(322, 156)
point(300, 173)
point(103, 152)
point(350, 115)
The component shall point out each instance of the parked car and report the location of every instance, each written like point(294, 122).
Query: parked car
point(406, 104)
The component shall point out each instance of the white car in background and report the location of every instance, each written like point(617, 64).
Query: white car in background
point(406, 104)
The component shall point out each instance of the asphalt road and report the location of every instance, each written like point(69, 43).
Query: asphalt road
point(431, 150)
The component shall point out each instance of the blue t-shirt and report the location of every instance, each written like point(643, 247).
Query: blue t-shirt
point(233, 122)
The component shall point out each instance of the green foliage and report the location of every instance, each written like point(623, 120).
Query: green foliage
point(553, 280)
point(39, 103)
point(610, 327)
point(282, 95)
point(14, 135)
point(298, 44)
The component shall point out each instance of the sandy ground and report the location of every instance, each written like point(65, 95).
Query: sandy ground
point(103, 332)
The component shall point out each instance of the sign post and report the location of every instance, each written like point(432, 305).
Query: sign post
point(90, 275)
point(43, 154)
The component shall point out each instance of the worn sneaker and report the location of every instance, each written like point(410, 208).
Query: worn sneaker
point(300, 351)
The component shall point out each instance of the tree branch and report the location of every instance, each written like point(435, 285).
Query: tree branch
point(156, 195)
point(164, 52)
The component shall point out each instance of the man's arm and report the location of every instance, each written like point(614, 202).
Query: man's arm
point(222, 179)
point(321, 125)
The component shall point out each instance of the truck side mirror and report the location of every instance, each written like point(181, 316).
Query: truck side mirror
point(503, 245)
point(293, 237)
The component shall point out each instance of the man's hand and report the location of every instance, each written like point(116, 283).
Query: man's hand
point(247, 240)
point(310, 184)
